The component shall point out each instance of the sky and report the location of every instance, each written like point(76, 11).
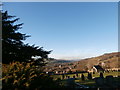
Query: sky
point(60, 0)
point(73, 30)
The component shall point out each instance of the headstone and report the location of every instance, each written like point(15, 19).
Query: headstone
point(76, 74)
point(63, 76)
point(67, 77)
point(82, 77)
point(109, 80)
point(58, 79)
point(99, 81)
point(71, 82)
point(101, 75)
point(89, 76)
point(73, 76)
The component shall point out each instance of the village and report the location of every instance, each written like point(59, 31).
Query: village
point(96, 70)
point(64, 70)
point(103, 63)
point(97, 76)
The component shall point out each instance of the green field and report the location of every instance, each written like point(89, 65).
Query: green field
point(86, 81)
point(85, 74)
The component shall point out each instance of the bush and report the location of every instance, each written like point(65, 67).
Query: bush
point(23, 75)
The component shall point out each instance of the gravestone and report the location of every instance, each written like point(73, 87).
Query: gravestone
point(77, 75)
point(101, 75)
point(67, 77)
point(73, 76)
point(71, 83)
point(109, 80)
point(82, 77)
point(63, 76)
point(89, 76)
point(99, 81)
point(58, 79)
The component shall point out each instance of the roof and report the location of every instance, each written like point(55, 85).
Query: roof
point(98, 67)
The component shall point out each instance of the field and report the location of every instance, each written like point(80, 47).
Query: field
point(85, 74)
point(86, 81)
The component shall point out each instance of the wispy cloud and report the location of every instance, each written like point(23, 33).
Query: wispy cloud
point(80, 53)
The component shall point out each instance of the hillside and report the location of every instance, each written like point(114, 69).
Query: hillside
point(56, 61)
point(107, 61)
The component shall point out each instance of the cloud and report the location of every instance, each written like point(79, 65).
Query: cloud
point(79, 53)
point(70, 56)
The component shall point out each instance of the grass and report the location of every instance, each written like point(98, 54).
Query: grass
point(85, 74)
point(87, 82)
point(70, 75)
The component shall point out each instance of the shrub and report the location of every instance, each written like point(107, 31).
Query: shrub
point(23, 75)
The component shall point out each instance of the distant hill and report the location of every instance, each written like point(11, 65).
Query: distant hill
point(56, 61)
point(107, 61)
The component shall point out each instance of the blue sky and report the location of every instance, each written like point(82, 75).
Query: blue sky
point(71, 30)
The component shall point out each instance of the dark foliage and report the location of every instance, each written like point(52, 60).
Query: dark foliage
point(13, 48)
point(25, 76)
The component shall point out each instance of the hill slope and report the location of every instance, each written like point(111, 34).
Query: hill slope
point(107, 61)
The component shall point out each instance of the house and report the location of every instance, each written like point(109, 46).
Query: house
point(96, 68)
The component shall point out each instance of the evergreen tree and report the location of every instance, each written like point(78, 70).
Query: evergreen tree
point(13, 48)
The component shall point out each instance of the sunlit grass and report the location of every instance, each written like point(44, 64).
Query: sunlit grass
point(86, 82)
point(85, 74)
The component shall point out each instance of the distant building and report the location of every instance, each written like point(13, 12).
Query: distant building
point(96, 68)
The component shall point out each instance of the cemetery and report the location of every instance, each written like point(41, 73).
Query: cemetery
point(90, 80)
